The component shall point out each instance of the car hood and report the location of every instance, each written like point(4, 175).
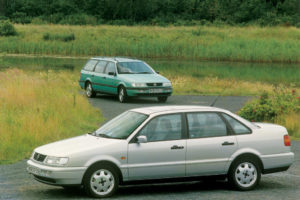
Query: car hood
point(143, 78)
point(75, 145)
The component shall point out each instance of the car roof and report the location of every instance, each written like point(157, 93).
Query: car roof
point(116, 59)
point(162, 109)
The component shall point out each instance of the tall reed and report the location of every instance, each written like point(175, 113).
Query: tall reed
point(38, 108)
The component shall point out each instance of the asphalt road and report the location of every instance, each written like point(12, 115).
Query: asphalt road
point(15, 183)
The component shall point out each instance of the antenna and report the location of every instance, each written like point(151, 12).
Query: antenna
point(215, 100)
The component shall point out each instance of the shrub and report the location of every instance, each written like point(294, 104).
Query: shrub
point(269, 107)
point(20, 18)
point(7, 29)
point(60, 37)
point(79, 19)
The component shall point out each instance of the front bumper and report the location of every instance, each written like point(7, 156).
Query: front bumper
point(149, 91)
point(56, 175)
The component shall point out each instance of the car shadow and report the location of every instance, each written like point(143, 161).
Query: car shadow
point(139, 191)
point(131, 100)
point(171, 188)
point(145, 190)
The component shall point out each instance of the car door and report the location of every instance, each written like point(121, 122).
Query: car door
point(110, 82)
point(163, 156)
point(210, 144)
point(99, 76)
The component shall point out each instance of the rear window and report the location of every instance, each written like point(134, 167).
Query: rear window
point(110, 67)
point(100, 66)
point(203, 125)
point(237, 126)
point(89, 66)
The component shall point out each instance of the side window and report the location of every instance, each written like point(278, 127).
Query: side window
point(203, 125)
point(89, 66)
point(166, 127)
point(100, 66)
point(237, 126)
point(110, 68)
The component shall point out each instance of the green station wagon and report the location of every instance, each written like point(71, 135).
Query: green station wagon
point(123, 77)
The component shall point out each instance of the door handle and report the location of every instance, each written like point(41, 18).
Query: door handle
point(104, 77)
point(177, 147)
point(227, 143)
point(93, 75)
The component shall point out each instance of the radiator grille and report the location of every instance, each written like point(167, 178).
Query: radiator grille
point(154, 84)
point(39, 157)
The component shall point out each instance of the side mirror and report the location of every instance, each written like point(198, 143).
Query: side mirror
point(142, 139)
point(157, 72)
point(111, 73)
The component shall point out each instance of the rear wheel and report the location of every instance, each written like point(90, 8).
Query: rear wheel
point(122, 95)
point(244, 174)
point(162, 99)
point(101, 181)
point(90, 93)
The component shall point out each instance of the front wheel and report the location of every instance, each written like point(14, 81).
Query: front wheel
point(244, 174)
point(162, 99)
point(122, 95)
point(101, 181)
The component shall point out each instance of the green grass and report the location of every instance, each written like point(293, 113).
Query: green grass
point(270, 73)
point(40, 107)
point(247, 44)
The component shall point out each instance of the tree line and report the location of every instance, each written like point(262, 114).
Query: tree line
point(263, 12)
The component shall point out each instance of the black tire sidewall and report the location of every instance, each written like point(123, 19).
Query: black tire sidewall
point(89, 173)
point(125, 94)
point(93, 94)
point(231, 174)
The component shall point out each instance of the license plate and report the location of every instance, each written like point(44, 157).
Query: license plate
point(156, 90)
point(34, 170)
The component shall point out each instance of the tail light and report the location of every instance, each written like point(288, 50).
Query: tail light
point(287, 140)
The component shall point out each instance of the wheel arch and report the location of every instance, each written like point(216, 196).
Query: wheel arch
point(121, 84)
point(87, 81)
point(250, 155)
point(107, 163)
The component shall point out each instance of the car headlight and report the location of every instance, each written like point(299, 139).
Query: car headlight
point(58, 161)
point(167, 84)
point(32, 155)
point(139, 84)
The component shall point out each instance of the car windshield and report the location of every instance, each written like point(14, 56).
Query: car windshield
point(121, 126)
point(134, 68)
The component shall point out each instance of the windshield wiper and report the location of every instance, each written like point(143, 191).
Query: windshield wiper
point(104, 135)
point(108, 136)
point(126, 73)
point(144, 73)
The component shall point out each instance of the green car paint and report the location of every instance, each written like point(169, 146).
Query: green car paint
point(108, 75)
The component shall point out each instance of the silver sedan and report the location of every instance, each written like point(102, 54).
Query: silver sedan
point(165, 142)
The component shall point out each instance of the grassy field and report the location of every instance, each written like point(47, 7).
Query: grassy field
point(39, 107)
point(247, 44)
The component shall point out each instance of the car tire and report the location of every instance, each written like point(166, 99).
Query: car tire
point(100, 181)
point(162, 99)
point(244, 174)
point(90, 93)
point(122, 94)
